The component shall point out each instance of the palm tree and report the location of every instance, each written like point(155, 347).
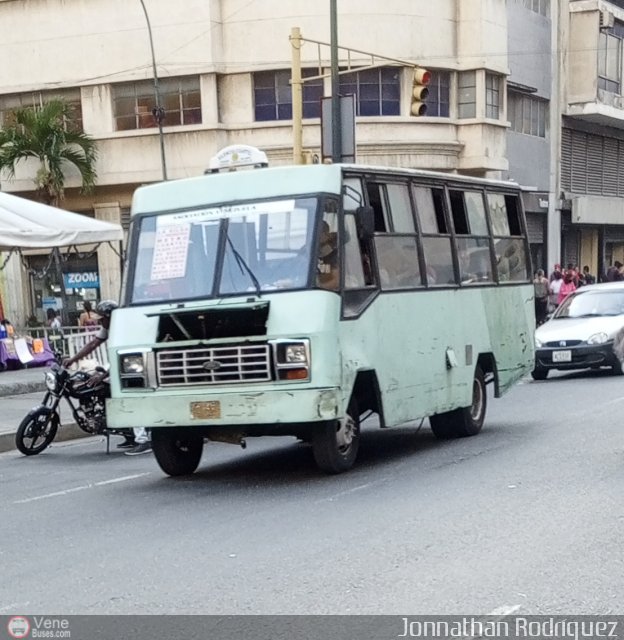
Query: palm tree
point(46, 133)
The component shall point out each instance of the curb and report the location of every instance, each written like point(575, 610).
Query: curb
point(19, 388)
point(66, 432)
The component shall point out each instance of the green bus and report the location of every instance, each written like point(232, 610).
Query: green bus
point(292, 301)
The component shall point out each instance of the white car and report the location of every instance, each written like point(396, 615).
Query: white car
point(581, 332)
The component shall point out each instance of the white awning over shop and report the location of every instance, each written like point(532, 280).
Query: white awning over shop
point(26, 224)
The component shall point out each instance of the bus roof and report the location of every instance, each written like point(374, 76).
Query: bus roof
point(264, 183)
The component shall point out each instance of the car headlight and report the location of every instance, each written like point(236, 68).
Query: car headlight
point(598, 338)
point(133, 364)
point(50, 381)
point(538, 343)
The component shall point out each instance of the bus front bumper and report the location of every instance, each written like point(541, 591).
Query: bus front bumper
point(154, 410)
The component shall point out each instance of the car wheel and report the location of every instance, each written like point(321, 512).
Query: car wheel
point(616, 368)
point(539, 374)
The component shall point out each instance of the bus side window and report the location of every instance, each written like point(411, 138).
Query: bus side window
point(357, 262)
point(511, 257)
point(436, 242)
point(376, 199)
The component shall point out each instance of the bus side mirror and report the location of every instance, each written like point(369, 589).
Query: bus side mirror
point(365, 217)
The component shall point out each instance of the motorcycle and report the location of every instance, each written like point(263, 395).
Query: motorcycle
point(88, 407)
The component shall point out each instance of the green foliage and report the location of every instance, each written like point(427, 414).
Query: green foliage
point(47, 134)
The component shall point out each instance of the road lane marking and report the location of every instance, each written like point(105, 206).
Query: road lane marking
point(349, 491)
point(503, 611)
point(83, 487)
point(122, 479)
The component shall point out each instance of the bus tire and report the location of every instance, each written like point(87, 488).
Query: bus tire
point(466, 421)
point(335, 444)
point(177, 451)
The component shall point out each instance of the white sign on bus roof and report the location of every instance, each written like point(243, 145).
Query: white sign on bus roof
point(229, 211)
point(238, 155)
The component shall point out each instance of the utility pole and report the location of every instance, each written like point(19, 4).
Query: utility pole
point(158, 111)
point(335, 85)
point(297, 95)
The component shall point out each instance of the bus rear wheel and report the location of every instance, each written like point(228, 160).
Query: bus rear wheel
point(466, 421)
point(335, 445)
point(177, 451)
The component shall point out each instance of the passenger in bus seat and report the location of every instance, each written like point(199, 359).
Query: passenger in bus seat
point(328, 273)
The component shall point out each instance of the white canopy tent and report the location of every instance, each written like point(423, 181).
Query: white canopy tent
point(25, 224)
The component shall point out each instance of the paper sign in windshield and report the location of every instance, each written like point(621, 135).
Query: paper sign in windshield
point(170, 251)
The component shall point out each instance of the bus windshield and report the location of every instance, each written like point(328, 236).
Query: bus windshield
point(228, 250)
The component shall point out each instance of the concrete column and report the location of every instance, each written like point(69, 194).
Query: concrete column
point(558, 60)
point(109, 262)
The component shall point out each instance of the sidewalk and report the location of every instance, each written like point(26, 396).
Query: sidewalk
point(20, 391)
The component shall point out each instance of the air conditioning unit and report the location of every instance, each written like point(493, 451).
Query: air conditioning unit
point(607, 19)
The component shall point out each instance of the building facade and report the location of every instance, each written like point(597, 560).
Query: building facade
point(498, 106)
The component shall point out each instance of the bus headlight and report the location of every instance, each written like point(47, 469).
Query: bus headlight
point(296, 354)
point(132, 364)
point(598, 338)
point(132, 370)
point(292, 359)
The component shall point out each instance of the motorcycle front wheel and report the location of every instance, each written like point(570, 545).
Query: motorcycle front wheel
point(36, 431)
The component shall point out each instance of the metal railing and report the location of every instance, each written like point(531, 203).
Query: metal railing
point(68, 340)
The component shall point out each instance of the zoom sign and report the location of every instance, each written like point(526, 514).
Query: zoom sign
point(82, 280)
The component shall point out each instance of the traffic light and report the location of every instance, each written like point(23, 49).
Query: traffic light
point(422, 77)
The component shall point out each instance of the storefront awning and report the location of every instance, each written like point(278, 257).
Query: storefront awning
point(25, 224)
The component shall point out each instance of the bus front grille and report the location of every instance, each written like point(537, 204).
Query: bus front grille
point(215, 365)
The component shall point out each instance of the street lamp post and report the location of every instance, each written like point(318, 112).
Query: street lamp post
point(158, 112)
point(335, 85)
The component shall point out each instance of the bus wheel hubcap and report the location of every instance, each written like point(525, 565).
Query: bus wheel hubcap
point(345, 432)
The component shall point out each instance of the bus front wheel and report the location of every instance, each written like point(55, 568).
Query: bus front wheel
point(335, 444)
point(466, 421)
point(177, 451)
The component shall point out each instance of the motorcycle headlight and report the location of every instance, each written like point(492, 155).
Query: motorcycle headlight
point(598, 338)
point(133, 364)
point(50, 381)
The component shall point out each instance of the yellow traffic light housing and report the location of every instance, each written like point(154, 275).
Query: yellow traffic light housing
point(422, 77)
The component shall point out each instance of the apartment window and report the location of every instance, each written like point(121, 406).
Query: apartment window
point(539, 6)
point(527, 114)
point(36, 99)
point(467, 94)
point(492, 95)
point(439, 94)
point(609, 62)
point(273, 95)
point(377, 91)
point(133, 103)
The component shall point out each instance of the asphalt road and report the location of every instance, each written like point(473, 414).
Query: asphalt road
point(526, 517)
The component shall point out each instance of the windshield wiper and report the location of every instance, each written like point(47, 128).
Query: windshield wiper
point(242, 264)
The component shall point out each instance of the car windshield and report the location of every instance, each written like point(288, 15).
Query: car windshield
point(257, 246)
point(585, 304)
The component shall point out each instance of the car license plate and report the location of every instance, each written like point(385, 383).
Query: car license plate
point(562, 356)
point(209, 410)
